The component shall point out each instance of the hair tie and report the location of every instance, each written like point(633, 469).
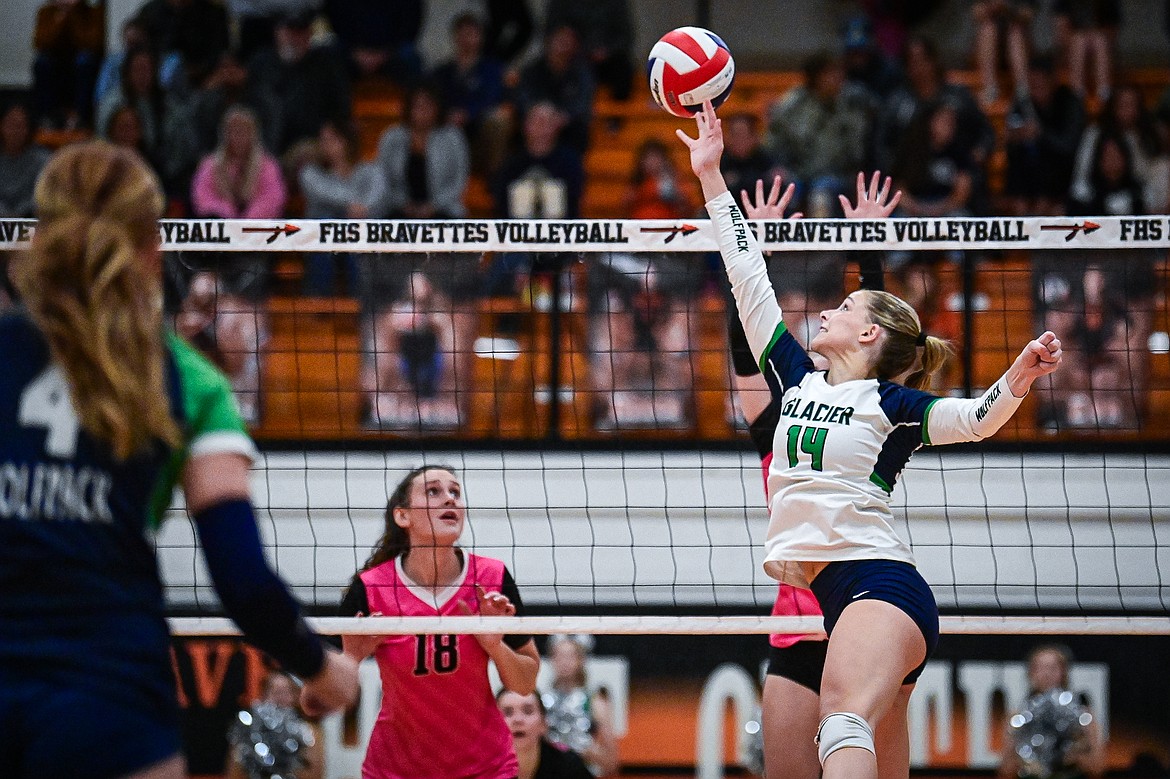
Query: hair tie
point(921, 340)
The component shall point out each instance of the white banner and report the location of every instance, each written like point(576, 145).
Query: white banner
point(630, 235)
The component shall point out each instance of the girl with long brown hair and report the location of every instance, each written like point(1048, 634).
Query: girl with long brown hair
point(439, 718)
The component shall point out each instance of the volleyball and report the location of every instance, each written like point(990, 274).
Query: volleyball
point(686, 67)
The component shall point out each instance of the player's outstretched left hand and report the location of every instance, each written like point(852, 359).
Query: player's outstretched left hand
point(1040, 357)
point(873, 202)
point(772, 207)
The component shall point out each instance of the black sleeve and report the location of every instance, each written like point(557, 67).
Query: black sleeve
point(741, 353)
point(869, 265)
point(762, 429)
point(355, 600)
point(510, 591)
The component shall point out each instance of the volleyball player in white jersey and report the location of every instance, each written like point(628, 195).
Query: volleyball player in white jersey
point(792, 685)
point(843, 438)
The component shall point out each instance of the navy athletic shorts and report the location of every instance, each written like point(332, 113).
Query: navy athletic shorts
point(893, 582)
point(803, 663)
point(47, 729)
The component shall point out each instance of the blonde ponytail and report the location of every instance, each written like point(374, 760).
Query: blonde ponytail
point(900, 348)
point(87, 287)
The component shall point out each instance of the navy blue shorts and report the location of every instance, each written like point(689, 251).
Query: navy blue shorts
point(803, 663)
point(893, 582)
point(47, 729)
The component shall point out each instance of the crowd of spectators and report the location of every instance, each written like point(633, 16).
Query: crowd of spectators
point(245, 109)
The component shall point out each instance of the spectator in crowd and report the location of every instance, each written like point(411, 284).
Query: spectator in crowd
point(231, 331)
point(409, 374)
point(225, 87)
point(240, 179)
point(927, 85)
point(378, 37)
point(135, 36)
point(168, 133)
point(1105, 303)
point(539, 758)
point(545, 177)
point(1043, 130)
point(1090, 29)
point(256, 21)
point(293, 751)
point(473, 84)
point(542, 180)
point(425, 161)
point(866, 65)
point(579, 718)
point(1011, 20)
point(936, 174)
point(819, 131)
point(1125, 114)
point(124, 128)
point(195, 30)
point(893, 20)
point(297, 86)
point(509, 29)
point(561, 77)
point(69, 38)
point(1060, 751)
point(337, 186)
point(656, 191)
point(744, 160)
point(606, 33)
point(21, 161)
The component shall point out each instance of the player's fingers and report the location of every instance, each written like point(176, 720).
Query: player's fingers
point(846, 206)
point(860, 186)
point(760, 201)
point(873, 185)
point(885, 190)
point(894, 201)
point(774, 192)
point(688, 140)
point(1046, 337)
point(747, 203)
point(786, 198)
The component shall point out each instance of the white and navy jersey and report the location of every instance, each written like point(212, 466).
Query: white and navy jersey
point(80, 597)
point(838, 447)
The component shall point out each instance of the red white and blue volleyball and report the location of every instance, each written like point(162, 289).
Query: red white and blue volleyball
point(686, 67)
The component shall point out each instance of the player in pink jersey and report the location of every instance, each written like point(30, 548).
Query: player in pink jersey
point(793, 683)
point(439, 718)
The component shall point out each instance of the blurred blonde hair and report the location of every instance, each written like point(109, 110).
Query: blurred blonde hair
point(85, 287)
point(899, 349)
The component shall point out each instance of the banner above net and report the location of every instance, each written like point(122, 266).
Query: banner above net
point(630, 235)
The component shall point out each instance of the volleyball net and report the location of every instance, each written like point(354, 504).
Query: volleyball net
point(577, 376)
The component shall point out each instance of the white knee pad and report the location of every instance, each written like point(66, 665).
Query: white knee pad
point(843, 729)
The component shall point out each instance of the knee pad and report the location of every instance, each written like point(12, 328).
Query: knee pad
point(843, 729)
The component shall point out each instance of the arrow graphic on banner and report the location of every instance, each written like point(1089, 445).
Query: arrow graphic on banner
point(275, 232)
point(685, 230)
point(1085, 227)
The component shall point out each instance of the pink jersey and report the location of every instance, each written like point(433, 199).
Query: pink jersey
point(790, 601)
point(439, 719)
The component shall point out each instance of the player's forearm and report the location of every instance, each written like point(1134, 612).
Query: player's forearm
point(754, 297)
point(953, 420)
point(712, 183)
point(517, 667)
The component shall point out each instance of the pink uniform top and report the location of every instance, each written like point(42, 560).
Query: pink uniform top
point(790, 601)
point(439, 719)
